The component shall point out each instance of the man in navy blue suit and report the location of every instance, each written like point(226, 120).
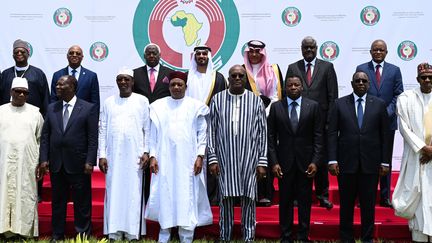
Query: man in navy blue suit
point(68, 148)
point(88, 84)
point(386, 83)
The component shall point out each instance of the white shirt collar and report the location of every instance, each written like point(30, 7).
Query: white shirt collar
point(375, 64)
point(156, 68)
point(356, 97)
point(71, 102)
point(312, 62)
point(78, 69)
point(18, 69)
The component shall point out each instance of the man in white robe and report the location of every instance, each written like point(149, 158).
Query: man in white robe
point(178, 140)
point(412, 198)
point(123, 152)
point(20, 131)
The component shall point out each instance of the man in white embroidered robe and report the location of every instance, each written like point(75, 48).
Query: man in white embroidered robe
point(178, 195)
point(412, 197)
point(123, 152)
point(20, 131)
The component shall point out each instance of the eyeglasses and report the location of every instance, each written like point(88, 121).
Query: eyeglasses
point(237, 75)
point(19, 51)
point(76, 53)
point(360, 80)
point(20, 91)
point(426, 77)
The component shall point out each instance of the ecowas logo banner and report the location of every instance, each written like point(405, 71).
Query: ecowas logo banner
point(291, 16)
point(329, 51)
point(99, 51)
point(370, 15)
point(178, 26)
point(62, 17)
point(407, 50)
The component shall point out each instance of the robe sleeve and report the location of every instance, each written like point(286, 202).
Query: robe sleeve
point(415, 142)
point(262, 133)
point(202, 130)
point(146, 127)
point(154, 122)
point(212, 158)
point(102, 132)
point(39, 128)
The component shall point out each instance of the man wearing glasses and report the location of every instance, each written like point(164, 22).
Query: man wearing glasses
point(386, 83)
point(412, 197)
point(20, 131)
point(88, 84)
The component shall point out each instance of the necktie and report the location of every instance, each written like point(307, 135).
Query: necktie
point(378, 74)
point(65, 116)
point(309, 74)
point(360, 112)
point(74, 71)
point(293, 117)
point(152, 79)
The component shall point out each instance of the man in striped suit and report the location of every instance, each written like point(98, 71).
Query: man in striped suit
point(237, 151)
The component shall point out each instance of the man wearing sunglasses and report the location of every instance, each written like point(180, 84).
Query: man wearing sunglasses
point(386, 83)
point(412, 197)
point(88, 84)
point(357, 144)
point(20, 131)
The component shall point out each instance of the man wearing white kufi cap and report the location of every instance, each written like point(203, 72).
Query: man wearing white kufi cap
point(123, 153)
point(20, 130)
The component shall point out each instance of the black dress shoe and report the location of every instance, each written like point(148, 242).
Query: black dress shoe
point(325, 203)
point(386, 203)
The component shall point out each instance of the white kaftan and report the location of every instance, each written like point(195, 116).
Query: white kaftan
point(123, 138)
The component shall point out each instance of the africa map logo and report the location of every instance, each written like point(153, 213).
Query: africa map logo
point(329, 51)
point(178, 26)
point(99, 51)
point(407, 50)
point(370, 15)
point(291, 16)
point(62, 17)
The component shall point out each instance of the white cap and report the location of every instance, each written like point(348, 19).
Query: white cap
point(125, 71)
point(19, 83)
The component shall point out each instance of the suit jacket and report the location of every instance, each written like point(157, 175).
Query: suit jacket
point(76, 145)
point(304, 146)
point(358, 149)
point(391, 86)
point(142, 83)
point(324, 87)
point(88, 85)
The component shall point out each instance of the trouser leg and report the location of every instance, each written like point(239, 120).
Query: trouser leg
point(248, 218)
point(226, 220)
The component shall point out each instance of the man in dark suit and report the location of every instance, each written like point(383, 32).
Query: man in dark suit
point(357, 144)
point(319, 84)
point(386, 83)
point(68, 148)
point(294, 151)
point(88, 84)
point(151, 80)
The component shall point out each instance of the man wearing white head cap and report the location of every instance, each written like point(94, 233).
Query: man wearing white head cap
point(123, 153)
point(20, 131)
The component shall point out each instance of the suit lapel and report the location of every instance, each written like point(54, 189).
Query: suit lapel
point(58, 111)
point(316, 70)
point(372, 77)
point(301, 67)
point(284, 113)
point(304, 110)
point(351, 106)
point(368, 106)
point(75, 112)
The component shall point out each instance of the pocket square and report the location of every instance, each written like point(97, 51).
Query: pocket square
point(165, 80)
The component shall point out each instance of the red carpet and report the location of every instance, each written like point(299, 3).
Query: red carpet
point(324, 223)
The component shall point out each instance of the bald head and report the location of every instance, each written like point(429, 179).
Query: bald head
point(75, 56)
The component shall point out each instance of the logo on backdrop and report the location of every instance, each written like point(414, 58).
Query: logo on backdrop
point(329, 51)
point(30, 48)
point(407, 50)
point(178, 26)
point(98, 51)
point(291, 16)
point(62, 17)
point(370, 15)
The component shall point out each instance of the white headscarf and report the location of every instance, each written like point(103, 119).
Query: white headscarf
point(199, 84)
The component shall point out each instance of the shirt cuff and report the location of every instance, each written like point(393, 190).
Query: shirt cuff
point(332, 162)
point(385, 164)
point(262, 161)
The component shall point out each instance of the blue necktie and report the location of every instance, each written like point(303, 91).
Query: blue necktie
point(65, 116)
point(293, 117)
point(74, 71)
point(360, 112)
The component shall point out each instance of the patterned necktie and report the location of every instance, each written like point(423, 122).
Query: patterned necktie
point(309, 74)
point(152, 79)
point(378, 74)
point(293, 116)
point(360, 112)
point(65, 116)
point(74, 71)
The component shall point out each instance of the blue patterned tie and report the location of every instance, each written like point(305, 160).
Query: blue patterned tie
point(65, 116)
point(293, 117)
point(360, 112)
point(74, 71)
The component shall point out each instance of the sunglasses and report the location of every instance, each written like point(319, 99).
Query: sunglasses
point(20, 91)
point(360, 80)
point(426, 77)
point(77, 53)
point(237, 75)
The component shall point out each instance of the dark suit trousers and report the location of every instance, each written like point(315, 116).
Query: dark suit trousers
point(321, 179)
point(147, 176)
point(385, 181)
point(80, 187)
point(365, 186)
point(265, 186)
point(294, 185)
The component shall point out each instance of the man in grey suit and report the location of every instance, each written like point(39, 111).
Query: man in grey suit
point(319, 84)
point(386, 83)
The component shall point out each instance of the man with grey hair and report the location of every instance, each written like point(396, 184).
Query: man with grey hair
point(151, 80)
point(123, 153)
point(20, 131)
point(319, 84)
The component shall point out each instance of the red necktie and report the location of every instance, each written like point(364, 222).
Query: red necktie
point(378, 75)
point(152, 79)
point(309, 74)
